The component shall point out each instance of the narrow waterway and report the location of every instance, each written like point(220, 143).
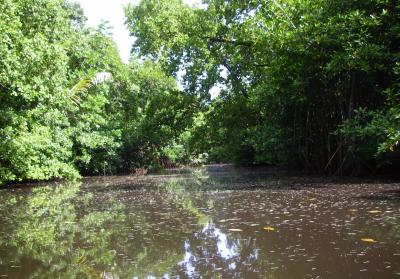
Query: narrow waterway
point(213, 222)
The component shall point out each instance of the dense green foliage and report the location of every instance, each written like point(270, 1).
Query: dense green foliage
point(56, 121)
point(159, 116)
point(312, 84)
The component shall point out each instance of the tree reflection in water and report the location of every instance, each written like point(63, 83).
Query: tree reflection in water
point(212, 252)
point(176, 229)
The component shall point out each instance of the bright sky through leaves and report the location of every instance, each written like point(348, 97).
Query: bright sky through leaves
point(112, 11)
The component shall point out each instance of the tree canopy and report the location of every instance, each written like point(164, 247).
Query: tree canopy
point(313, 84)
point(309, 84)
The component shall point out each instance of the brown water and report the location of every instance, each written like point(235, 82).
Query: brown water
point(210, 223)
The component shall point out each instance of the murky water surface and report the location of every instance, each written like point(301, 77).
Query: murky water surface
point(211, 223)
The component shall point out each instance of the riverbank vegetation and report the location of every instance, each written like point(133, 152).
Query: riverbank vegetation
point(310, 84)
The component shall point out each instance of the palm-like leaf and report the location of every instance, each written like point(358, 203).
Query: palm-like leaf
point(84, 85)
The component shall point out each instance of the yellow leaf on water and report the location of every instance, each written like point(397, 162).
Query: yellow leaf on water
point(235, 230)
point(374, 211)
point(269, 229)
point(370, 240)
point(353, 210)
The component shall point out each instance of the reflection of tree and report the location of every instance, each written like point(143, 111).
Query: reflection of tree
point(74, 232)
point(47, 235)
point(208, 251)
point(211, 252)
point(159, 246)
point(177, 190)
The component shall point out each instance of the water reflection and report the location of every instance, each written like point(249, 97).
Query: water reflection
point(199, 225)
point(225, 250)
point(212, 252)
point(45, 234)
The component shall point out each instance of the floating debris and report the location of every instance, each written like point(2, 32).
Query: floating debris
point(235, 230)
point(370, 240)
point(374, 211)
point(269, 229)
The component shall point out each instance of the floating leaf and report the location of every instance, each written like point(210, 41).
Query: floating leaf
point(353, 210)
point(269, 229)
point(374, 211)
point(235, 230)
point(370, 240)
